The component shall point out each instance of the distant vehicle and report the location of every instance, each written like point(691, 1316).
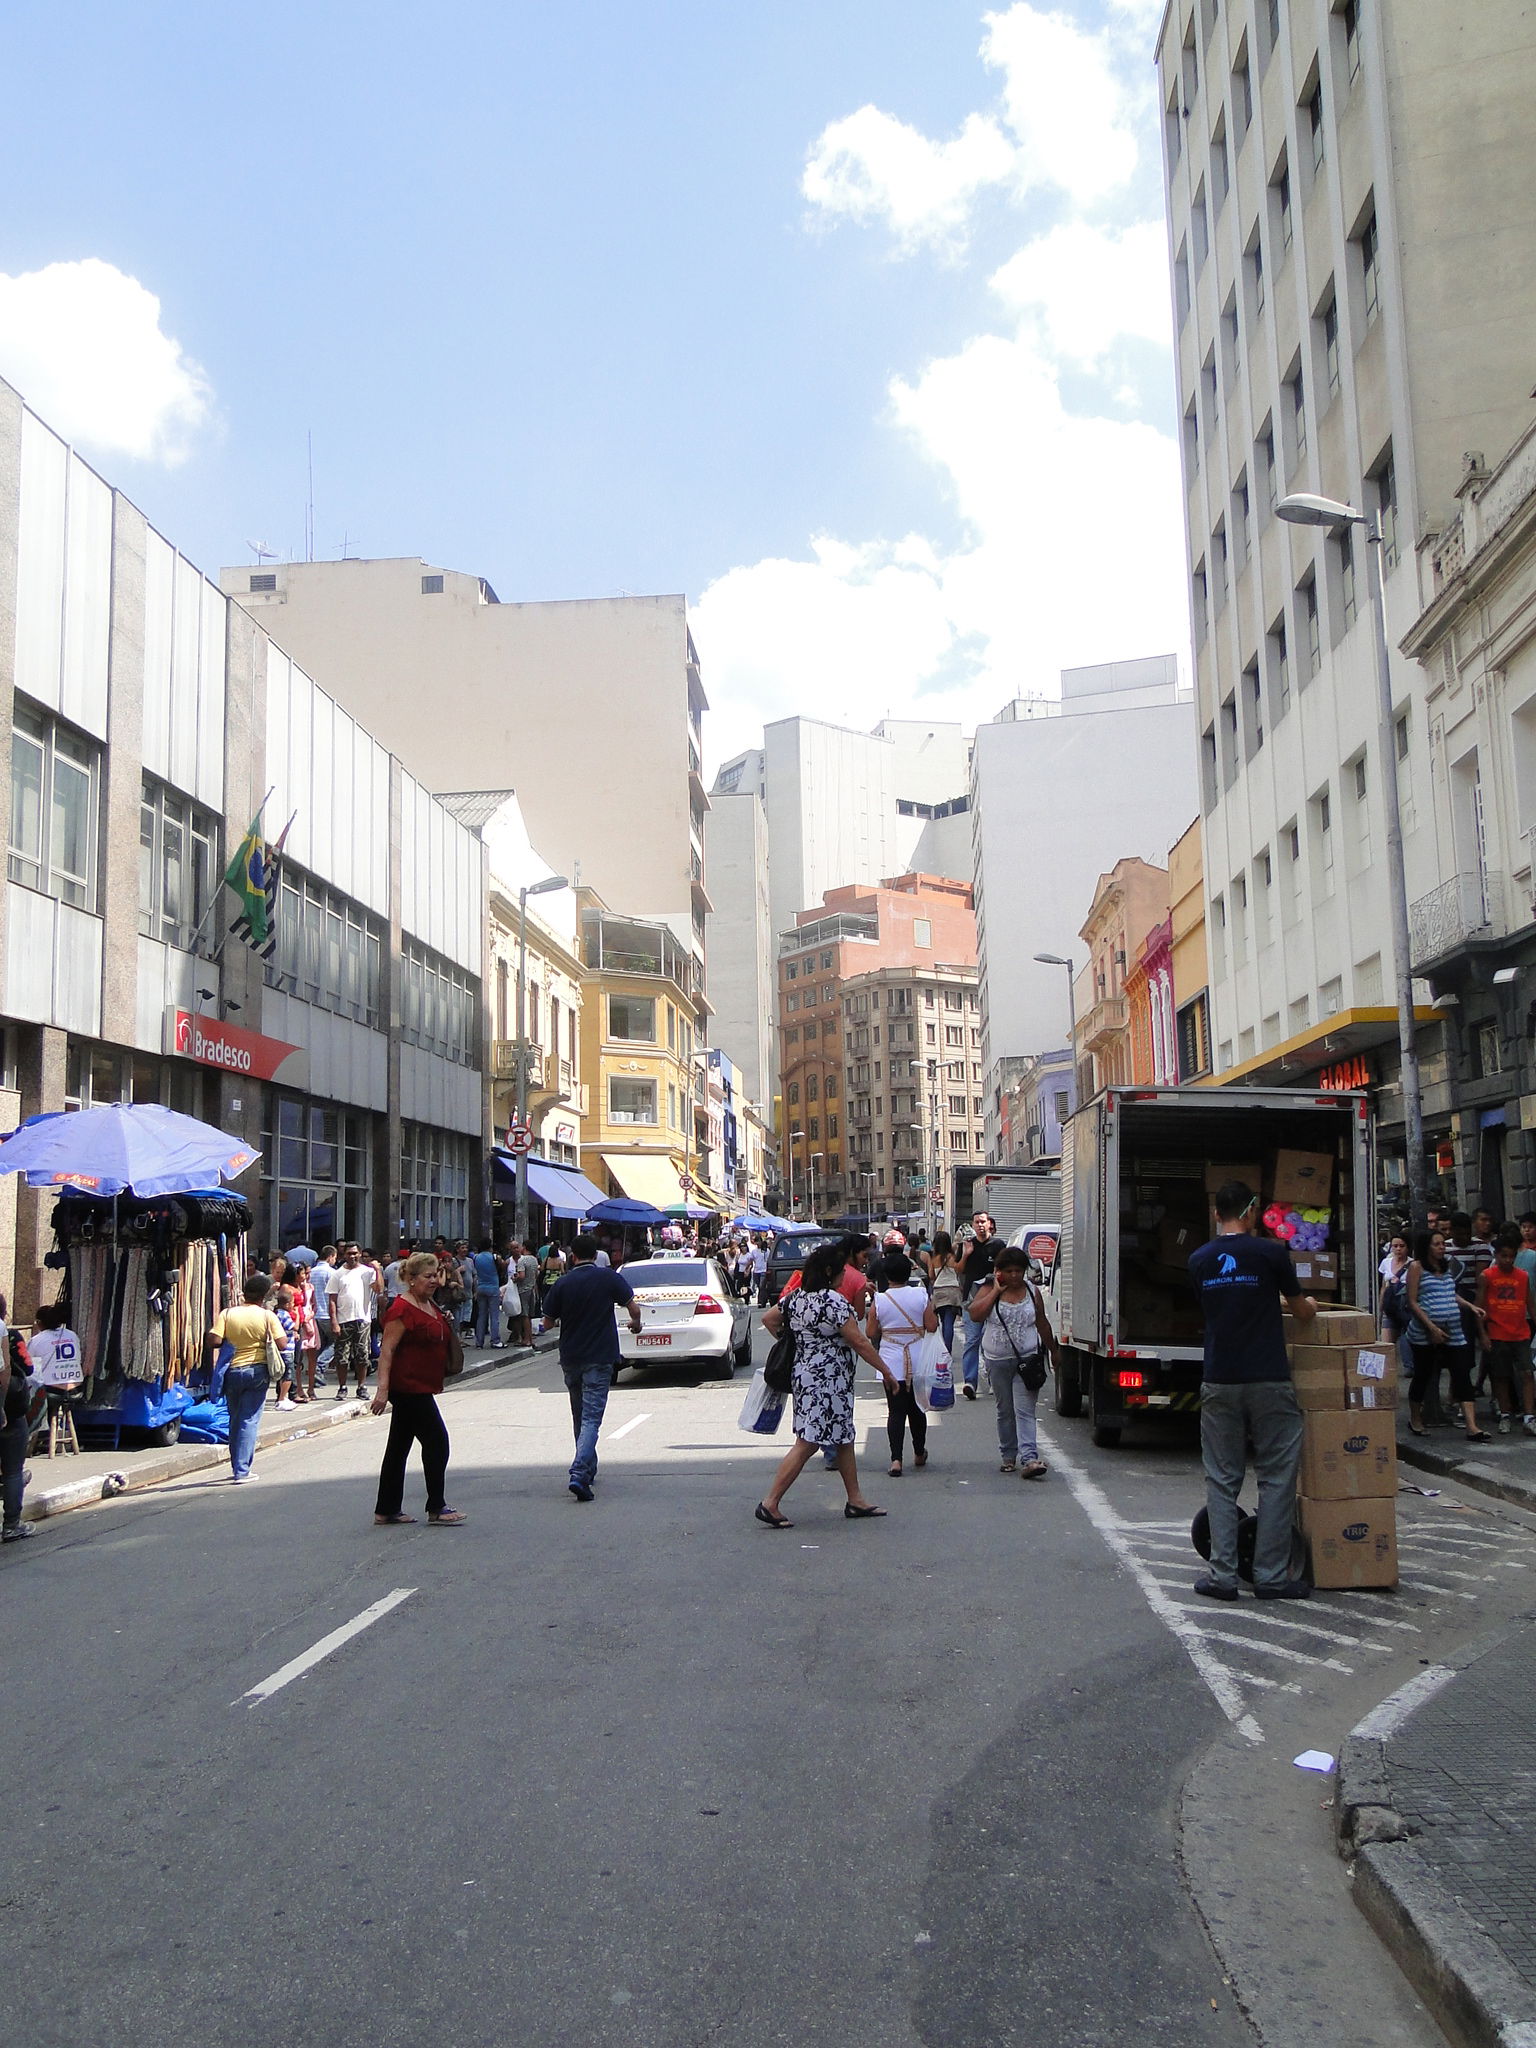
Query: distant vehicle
point(1010, 1195)
point(686, 1314)
point(1139, 1171)
point(1041, 1242)
point(788, 1254)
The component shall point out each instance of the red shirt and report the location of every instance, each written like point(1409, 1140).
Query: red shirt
point(421, 1353)
point(1505, 1297)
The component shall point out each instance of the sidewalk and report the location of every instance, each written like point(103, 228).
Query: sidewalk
point(1504, 1467)
point(1437, 1808)
point(55, 1485)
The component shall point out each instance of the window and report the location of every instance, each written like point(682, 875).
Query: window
point(810, 998)
point(1172, 129)
point(1267, 466)
point(1221, 174)
point(263, 580)
point(671, 1106)
point(178, 869)
point(1369, 244)
point(1253, 709)
point(1296, 393)
point(1350, 15)
point(321, 1156)
point(1384, 483)
point(55, 776)
point(1344, 544)
point(1311, 624)
point(1279, 670)
point(1219, 561)
point(812, 1087)
point(957, 1105)
point(1181, 283)
point(1229, 755)
point(1242, 97)
point(1232, 339)
point(1256, 273)
point(813, 1128)
point(632, 1018)
point(1192, 442)
point(792, 971)
point(1208, 789)
point(826, 962)
point(328, 950)
point(1330, 329)
point(831, 1120)
point(1199, 229)
point(1360, 779)
point(1400, 728)
point(1322, 825)
point(431, 586)
point(959, 1141)
point(1272, 22)
point(1200, 604)
point(1313, 105)
point(954, 1034)
point(434, 1184)
point(631, 1102)
point(922, 932)
point(1280, 188)
point(791, 1004)
point(792, 1035)
point(439, 1003)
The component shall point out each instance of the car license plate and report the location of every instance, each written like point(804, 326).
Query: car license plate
point(653, 1340)
point(1159, 1400)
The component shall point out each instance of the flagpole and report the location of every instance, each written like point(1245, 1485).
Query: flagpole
point(213, 900)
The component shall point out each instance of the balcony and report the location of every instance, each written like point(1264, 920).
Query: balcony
point(549, 1076)
point(1468, 906)
point(1106, 1020)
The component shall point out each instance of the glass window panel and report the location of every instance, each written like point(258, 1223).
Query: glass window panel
point(26, 808)
point(173, 874)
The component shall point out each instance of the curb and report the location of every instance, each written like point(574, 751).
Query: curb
point(1462, 1976)
point(42, 1503)
point(1489, 1479)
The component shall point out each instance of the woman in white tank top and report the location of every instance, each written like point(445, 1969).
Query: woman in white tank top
point(899, 1318)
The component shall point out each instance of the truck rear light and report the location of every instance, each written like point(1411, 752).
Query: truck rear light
point(706, 1305)
point(1136, 1401)
point(1130, 1379)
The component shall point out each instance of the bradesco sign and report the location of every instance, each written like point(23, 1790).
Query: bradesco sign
point(246, 1053)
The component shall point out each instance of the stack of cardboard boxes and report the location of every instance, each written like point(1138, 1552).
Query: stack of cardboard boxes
point(1346, 1384)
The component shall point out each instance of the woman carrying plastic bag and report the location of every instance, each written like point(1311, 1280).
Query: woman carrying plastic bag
point(763, 1409)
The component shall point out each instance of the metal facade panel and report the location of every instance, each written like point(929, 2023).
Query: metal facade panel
point(159, 607)
point(208, 771)
point(186, 646)
point(77, 971)
point(40, 563)
point(29, 941)
point(87, 599)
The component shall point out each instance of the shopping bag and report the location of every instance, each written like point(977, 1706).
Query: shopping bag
point(763, 1409)
point(941, 1388)
point(927, 1358)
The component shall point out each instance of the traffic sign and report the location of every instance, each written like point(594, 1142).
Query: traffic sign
point(519, 1138)
point(687, 1183)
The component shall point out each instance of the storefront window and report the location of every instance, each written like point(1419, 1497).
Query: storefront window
point(317, 1155)
point(435, 1168)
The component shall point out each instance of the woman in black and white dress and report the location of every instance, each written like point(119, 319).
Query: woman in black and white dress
point(827, 1342)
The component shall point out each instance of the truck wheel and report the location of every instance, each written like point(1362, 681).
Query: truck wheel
point(1069, 1388)
point(1107, 1435)
point(168, 1433)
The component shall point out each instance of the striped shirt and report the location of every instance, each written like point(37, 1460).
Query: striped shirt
point(1437, 1300)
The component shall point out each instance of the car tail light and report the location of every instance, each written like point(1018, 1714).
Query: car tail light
point(1131, 1379)
point(706, 1305)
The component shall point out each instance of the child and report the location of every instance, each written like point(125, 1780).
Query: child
point(55, 1352)
point(1508, 1308)
point(282, 1308)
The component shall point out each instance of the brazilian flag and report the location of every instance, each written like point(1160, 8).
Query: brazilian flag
point(252, 874)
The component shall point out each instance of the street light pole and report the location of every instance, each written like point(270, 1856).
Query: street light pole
point(520, 1213)
point(813, 1159)
point(1305, 509)
point(1055, 960)
point(792, 1138)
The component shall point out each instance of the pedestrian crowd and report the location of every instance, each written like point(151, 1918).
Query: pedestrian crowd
point(1458, 1298)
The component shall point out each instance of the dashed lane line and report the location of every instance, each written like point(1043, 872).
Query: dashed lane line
point(326, 1645)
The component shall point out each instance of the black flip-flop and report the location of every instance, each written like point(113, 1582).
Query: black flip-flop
point(771, 1521)
point(853, 1514)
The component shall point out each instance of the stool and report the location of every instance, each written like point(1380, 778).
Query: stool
point(61, 1424)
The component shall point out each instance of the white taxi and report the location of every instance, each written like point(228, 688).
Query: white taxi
point(687, 1315)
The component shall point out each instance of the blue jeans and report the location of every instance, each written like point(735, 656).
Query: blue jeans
point(970, 1358)
point(1017, 1441)
point(588, 1387)
point(946, 1318)
point(245, 1395)
point(488, 1317)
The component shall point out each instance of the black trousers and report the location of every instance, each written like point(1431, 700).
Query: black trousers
point(1428, 1362)
point(413, 1418)
point(901, 1407)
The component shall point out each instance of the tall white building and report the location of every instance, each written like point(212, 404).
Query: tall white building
point(739, 941)
point(1349, 204)
point(1060, 789)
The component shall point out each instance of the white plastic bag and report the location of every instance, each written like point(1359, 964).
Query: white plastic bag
point(763, 1410)
point(930, 1359)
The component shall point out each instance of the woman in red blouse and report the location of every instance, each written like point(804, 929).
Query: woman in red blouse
point(413, 1359)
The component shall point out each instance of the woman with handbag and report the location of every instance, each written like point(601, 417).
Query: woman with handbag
point(948, 1292)
point(415, 1357)
point(827, 1341)
point(900, 1316)
point(256, 1339)
point(1016, 1338)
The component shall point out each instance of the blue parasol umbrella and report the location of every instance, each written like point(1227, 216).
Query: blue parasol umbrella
point(617, 1209)
point(124, 1148)
point(772, 1226)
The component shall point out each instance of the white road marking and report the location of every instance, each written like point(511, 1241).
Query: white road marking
point(1364, 1615)
point(634, 1422)
point(1444, 1571)
point(1216, 1635)
point(1268, 1684)
point(1441, 1592)
point(1095, 1504)
point(1305, 1628)
point(324, 1647)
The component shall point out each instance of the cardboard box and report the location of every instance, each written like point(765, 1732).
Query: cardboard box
point(1354, 1542)
point(1218, 1173)
point(1372, 1397)
point(1319, 1387)
point(1371, 1368)
point(1175, 1241)
point(1303, 1180)
point(1318, 1272)
point(1349, 1457)
point(1339, 1326)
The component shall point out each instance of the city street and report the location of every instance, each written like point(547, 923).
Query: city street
point(648, 1772)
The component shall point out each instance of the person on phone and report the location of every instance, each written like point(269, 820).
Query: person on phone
point(413, 1361)
point(1015, 1338)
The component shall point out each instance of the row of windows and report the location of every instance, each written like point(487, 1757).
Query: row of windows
point(55, 801)
point(866, 1144)
point(632, 1101)
point(899, 1001)
point(439, 1005)
point(179, 869)
point(435, 1167)
point(632, 1021)
point(792, 967)
point(955, 808)
point(328, 949)
point(951, 1070)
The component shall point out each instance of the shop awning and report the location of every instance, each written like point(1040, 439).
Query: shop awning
point(649, 1177)
point(1325, 1056)
point(706, 1197)
point(564, 1190)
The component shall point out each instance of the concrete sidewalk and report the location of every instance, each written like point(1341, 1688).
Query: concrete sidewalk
point(1505, 1467)
point(55, 1485)
point(1437, 1810)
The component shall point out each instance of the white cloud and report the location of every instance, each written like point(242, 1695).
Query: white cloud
point(1088, 287)
point(83, 344)
point(1065, 124)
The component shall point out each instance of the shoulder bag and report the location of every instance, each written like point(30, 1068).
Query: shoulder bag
point(779, 1365)
point(1031, 1364)
point(453, 1362)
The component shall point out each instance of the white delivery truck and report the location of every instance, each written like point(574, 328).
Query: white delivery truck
point(1140, 1168)
point(1010, 1195)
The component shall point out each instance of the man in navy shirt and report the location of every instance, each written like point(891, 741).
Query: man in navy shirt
point(1242, 1281)
point(582, 1302)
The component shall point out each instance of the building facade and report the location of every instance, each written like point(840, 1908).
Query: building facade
point(1129, 910)
point(1337, 219)
point(1050, 778)
point(149, 720)
point(738, 935)
point(1186, 917)
point(1037, 1102)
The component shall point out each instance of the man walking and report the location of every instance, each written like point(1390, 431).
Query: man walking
point(350, 1296)
point(976, 1263)
point(321, 1274)
point(582, 1303)
point(526, 1267)
point(1244, 1281)
point(487, 1298)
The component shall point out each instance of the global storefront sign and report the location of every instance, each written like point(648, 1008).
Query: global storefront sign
point(246, 1053)
point(1347, 1074)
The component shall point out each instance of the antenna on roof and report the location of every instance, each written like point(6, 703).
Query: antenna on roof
point(261, 551)
point(309, 502)
point(346, 546)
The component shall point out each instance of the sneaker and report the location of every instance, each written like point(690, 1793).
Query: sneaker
point(1503, 1425)
point(20, 1534)
point(580, 1492)
point(1528, 1424)
point(244, 1478)
point(287, 1404)
point(1213, 1589)
point(969, 1391)
point(1293, 1589)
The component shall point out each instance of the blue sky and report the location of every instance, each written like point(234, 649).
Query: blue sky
point(608, 297)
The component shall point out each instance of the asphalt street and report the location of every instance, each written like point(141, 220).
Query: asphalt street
point(646, 1772)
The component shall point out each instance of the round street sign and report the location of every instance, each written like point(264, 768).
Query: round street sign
point(687, 1183)
point(519, 1138)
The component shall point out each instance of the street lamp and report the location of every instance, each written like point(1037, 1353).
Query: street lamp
point(795, 1138)
point(520, 1214)
point(813, 1159)
point(1055, 960)
point(1305, 508)
point(868, 1173)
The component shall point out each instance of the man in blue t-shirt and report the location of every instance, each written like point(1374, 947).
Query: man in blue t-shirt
point(1243, 1281)
point(582, 1302)
point(488, 1279)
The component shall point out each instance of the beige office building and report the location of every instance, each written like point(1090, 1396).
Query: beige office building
point(1349, 201)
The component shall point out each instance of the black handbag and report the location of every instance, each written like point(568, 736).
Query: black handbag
point(779, 1365)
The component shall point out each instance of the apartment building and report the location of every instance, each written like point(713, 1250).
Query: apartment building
point(591, 709)
point(1125, 993)
point(1056, 783)
point(1348, 209)
point(864, 986)
point(146, 719)
point(1037, 1099)
point(738, 939)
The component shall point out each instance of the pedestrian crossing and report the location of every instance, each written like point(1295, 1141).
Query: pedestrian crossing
point(1249, 1652)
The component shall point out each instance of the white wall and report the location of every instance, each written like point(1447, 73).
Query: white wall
point(63, 580)
point(441, 894)
point(739, 941)
point(332, 778)
point(184, 675)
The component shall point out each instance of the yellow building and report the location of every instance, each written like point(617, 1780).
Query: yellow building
point(643, 1019)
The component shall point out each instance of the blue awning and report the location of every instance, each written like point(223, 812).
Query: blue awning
point(564, 1190)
